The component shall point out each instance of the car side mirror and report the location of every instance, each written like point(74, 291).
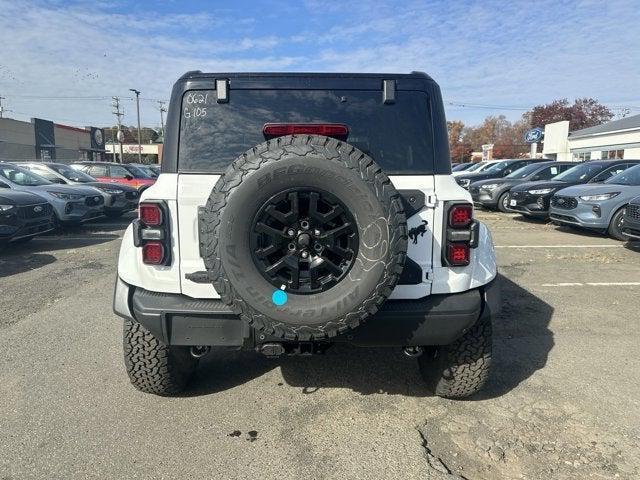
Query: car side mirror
point(128, 177)
point(507, 172)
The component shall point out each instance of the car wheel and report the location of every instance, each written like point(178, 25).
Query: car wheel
point(503, 202)
point(615, 226)
point(154, 367)
point(462, 368)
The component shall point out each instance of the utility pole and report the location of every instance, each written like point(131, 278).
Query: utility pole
point(162, 110)
point(137, 92)
point(118, 114)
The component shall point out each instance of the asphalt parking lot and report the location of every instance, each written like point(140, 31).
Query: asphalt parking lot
point(563, 402)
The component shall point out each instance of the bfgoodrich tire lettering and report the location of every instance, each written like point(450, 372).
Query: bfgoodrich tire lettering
point(319, 164)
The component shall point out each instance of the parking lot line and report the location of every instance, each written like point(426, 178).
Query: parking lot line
point(592, 284)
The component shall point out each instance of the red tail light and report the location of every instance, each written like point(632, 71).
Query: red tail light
point(152, 232)
point(335, 130)
point(460, 216)
point(153, 253)
point(150, 214)
point(459, 254)
point(461, 235)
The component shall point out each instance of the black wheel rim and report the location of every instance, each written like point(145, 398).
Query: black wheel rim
point(305, 240)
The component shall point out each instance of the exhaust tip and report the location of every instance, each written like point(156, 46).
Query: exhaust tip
point(199, 351)
point(413, 351)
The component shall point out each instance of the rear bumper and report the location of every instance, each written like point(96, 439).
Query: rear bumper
point(180, 320)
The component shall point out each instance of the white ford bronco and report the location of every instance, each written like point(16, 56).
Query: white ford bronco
point(295, 211)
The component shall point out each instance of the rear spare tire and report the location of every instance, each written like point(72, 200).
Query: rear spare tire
point(304, 237)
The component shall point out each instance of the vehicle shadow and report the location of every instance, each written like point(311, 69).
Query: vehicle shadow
point(12, 265)
point(522, 342)
point(530, 220)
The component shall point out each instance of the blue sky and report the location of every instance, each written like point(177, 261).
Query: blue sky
point(63, 60)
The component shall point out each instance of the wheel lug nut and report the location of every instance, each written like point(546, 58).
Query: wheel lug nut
point(316, 232)
point(291, 232)
point(304, 224)
point(317, 247)
point(305, 254)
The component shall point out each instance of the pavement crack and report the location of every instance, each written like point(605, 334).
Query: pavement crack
point(436, 463)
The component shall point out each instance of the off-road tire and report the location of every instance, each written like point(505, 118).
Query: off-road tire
point(614, 230)
point(336, 156)
point(154, 367)
point(502, 200)
point(460, 369)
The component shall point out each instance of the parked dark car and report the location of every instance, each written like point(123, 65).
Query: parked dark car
point(494, 193)
point(23, 215)
point(631, 220)
point(120, 173)
point(118, 199)
point(532, 198)
point(498, 170)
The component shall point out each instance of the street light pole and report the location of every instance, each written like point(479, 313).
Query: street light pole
point(162, 110)
point(137, 92)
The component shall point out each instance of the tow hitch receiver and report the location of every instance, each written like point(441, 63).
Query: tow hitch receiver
point(292, 348)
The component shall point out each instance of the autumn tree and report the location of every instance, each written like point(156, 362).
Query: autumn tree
point(459, 151)
point(583, 113)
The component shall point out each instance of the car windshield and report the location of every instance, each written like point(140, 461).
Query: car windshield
point(462, 166)
point(137, 172)
point(72, 174)
point(22, 176)
point(630, 176)
point(476, 167)
point(497, 167)
point(524, 172)
point(580, 173)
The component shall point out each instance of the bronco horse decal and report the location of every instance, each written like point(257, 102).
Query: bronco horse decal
point(419, 230)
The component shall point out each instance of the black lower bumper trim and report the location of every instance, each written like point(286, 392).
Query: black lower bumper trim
point(434, 320)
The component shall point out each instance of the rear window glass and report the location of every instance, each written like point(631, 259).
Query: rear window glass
point(397, 136)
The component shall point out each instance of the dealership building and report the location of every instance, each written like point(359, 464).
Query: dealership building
point(45, 140)
point(617, 139)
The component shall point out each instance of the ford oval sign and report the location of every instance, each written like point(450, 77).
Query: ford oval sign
point(534, 135)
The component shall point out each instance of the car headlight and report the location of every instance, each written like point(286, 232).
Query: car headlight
point(112, 191)
point(5, 208)
point(491, 186)
point(541, 191)
point(599, 197)
point(66, 196)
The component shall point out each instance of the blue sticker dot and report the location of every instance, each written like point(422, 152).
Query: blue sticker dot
point(279, 298)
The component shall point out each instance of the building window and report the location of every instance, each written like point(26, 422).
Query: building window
point(582, 157)
point(612, 154)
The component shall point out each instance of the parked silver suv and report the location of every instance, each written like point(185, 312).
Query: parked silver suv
point(71, 204)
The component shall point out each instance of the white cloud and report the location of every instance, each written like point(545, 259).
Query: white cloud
point(492, 52)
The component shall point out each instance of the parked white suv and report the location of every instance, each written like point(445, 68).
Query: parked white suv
point(295, 211)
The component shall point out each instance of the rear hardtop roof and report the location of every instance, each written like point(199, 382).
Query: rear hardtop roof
point(198, 74)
